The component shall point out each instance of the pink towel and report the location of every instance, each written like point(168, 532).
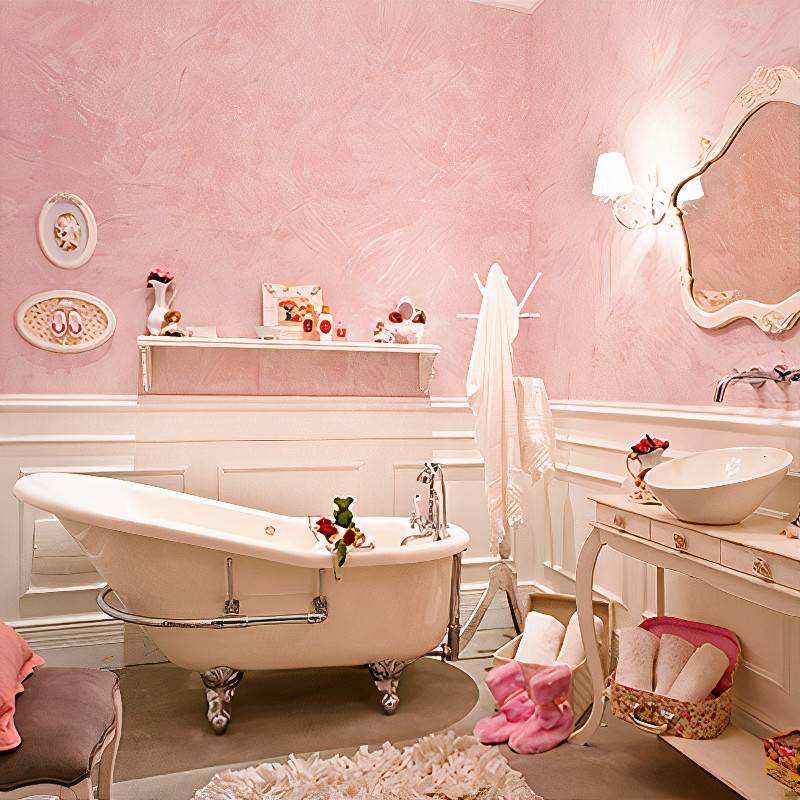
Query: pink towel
point(673, 653)
point(637, 655)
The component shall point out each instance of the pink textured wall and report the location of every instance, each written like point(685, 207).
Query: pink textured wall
point(381, 148)
point(648, 77)
point(376, 147)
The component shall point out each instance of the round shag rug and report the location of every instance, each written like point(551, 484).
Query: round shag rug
point(440, 766)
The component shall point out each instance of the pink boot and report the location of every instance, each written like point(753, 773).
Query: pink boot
point(552, 722)
point(507, 684)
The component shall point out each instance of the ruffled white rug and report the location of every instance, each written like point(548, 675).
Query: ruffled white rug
point(440, 766)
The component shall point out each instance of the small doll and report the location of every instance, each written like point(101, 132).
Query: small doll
point(170, 326)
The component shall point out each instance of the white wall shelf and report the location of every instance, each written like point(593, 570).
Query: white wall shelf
point(426, 353)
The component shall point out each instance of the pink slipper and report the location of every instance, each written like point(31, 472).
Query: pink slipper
point(552, 721)
point(507, 684)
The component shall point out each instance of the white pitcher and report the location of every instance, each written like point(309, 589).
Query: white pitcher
point(160, 306)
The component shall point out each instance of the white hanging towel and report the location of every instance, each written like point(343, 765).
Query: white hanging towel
point(537, 436)
point(490, 394)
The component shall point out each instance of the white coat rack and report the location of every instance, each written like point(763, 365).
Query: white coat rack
point(522, 315)
point(502, 574)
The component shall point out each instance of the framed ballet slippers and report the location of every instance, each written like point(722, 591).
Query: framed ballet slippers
point(66, 230)
point(65, 321)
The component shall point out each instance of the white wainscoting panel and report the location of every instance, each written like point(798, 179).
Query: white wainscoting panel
point(291, 489)
point(292, 455)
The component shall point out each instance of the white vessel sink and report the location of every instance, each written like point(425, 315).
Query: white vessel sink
point(719, 487)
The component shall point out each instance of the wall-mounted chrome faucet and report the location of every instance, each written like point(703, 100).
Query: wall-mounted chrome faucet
point(434, 523)
point(756, 377)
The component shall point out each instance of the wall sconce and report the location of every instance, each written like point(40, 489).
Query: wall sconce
point(633, 206)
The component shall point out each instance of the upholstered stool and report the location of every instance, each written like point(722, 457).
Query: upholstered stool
point(70, 720)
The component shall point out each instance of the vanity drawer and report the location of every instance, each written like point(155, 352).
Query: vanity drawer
point(686, 541)
point(624, 521)
point(767, 566)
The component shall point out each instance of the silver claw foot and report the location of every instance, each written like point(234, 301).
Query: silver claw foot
point(386, 675)
point(220, 683)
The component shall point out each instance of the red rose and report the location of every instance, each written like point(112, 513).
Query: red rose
point(395, 316)
point(326, 528)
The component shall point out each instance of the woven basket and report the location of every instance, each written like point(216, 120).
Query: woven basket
point(562, 606)
point(664, 716)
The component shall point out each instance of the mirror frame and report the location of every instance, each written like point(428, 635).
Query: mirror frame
point(768, 84)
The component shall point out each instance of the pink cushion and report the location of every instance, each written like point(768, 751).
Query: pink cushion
point(17, 661)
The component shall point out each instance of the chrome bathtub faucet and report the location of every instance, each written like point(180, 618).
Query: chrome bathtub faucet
point(435, 522)
point(756, 377)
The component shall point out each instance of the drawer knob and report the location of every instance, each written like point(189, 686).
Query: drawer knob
point(679, 541)
point(619, 521)
point(762, 569)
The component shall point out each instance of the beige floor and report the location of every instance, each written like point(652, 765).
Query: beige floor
point(275, 713)
point(620, 763)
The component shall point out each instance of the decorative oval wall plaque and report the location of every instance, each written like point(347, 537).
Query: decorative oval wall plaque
point(67, 231)
point(65, 321)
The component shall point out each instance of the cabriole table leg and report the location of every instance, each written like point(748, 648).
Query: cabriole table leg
point(584, 581)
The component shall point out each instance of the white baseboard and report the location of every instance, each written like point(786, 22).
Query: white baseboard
point(88, 640)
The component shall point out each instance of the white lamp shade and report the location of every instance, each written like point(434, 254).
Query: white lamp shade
point(693, 190)
point(611, 177)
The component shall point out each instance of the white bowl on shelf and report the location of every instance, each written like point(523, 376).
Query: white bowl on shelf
point(719, 487)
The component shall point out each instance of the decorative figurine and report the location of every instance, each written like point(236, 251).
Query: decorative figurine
point(310, 323)
point(343, 516)
point(170, 326)
point(341, 533)
point(405, 324)
point(159, 281)
point(67, 232)
point(341, 332)
point(648, 452)
point(380, 334)
point(325, 324)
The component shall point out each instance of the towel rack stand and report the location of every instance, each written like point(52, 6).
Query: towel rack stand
point(503, 573)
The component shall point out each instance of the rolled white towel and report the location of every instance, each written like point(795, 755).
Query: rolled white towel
point(700, 675)
point(637, 655)
point(572, 652)
point(541, 639)
point(673, 653)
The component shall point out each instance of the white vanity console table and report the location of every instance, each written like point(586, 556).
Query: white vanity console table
point(751, 560)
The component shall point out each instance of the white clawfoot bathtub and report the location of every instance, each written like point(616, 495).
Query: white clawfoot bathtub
point(169, 557)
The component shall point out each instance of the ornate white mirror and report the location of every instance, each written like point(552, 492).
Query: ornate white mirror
point(739, 211)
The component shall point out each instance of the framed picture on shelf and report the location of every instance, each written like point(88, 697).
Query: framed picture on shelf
point(283, 306)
